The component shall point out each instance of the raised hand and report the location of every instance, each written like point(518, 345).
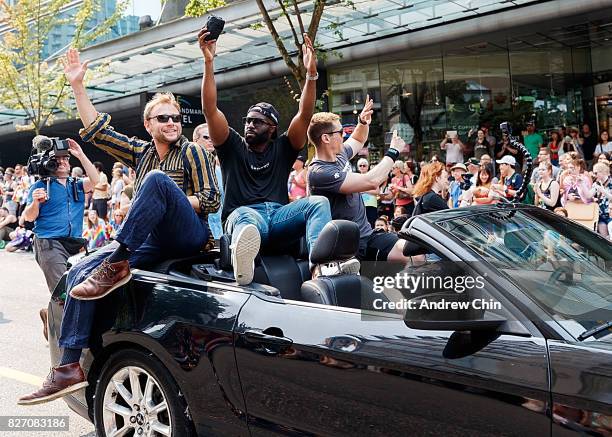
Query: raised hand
point(74, 70)
point(366, 112)
point(75, 149)
point(397, 142)
point(208, 47)
point(309, 56)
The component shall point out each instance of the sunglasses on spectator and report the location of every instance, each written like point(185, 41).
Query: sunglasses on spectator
point(257, 122)
point(363, 165)
point(163, 118)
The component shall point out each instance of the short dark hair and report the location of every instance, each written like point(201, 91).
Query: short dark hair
point(4, 208)
point(99, 166)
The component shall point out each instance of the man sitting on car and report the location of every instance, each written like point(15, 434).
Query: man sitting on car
point(175, 189)
point(330, 175)
point(256, 167)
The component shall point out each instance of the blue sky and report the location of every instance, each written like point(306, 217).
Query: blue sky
point(145, 7)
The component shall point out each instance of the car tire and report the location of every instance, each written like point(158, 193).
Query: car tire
point(117, 406)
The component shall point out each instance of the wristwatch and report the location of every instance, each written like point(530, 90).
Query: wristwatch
point(315, 77)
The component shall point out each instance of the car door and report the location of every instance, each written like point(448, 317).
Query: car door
point(581, 387)
point(309, 368)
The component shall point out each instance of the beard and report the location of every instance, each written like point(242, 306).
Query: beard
point(257, 139)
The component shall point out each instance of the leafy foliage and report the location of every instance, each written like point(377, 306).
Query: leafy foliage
point(197, 8)
point(28, 82)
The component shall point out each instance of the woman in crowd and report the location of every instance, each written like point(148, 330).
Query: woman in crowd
point(604, 145)
point(602, 194)
point(482, 194)
point(432, 181)
point(547, 189)
point(96, 231)
point(297, 179)
point(381, 224)
point(576, 186)
point(604, 158)
point(385, 199)
point(116, 221)
point(572, 142)
point(554, 146)
point(369, 198)
point(117, 185)
point(401, 187)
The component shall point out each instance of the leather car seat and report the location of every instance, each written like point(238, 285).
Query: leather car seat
point(338, 241)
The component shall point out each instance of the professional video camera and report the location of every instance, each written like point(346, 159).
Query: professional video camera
point(42, 162)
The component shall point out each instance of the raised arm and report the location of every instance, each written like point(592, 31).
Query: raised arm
point(93, 177)
point(218, 128)
point(360, 134)
point(75, 71)
point(299, 125)
point(359, 183)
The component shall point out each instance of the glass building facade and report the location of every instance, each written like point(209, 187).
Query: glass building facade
point(460, 86)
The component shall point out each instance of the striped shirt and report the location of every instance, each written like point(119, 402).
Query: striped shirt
point(189, 165)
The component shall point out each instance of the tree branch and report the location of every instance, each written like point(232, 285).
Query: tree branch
point(298, 14)
point(316, 19)
point(279, 43)
point(295, 37)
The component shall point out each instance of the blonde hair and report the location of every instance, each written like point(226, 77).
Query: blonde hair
point(320, 123)
point(600, 167)
point(159, 99)
point(400, 164)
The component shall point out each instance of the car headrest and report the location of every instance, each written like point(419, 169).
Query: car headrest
point(338, 241)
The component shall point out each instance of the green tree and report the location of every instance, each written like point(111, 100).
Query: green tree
point(28, 82)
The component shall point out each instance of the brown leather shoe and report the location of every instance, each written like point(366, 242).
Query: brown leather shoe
point(43, 316)
point(60, 382)
point(106, 278)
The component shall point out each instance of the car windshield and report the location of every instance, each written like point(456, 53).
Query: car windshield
point(561, 265)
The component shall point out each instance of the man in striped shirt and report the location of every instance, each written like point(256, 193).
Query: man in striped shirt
point(175, 190)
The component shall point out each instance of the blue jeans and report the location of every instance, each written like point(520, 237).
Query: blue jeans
point(280, 225)
point(161, 224)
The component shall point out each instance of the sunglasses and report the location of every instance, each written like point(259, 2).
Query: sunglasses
point(257, 122)
point(333, 132)
point(163, 118)
point(363, 165)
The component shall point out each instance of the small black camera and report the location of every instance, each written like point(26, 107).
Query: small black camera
point(45, 150)
point(215, 26)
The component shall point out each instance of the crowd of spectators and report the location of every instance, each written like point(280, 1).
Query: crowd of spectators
point(107, 206)
point(571, 167)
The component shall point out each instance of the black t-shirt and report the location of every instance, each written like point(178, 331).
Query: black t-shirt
point(430, 202)
point(325, 179)
point(250, 177)
point(588, 147)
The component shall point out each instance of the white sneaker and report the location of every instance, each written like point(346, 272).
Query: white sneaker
point(244, 251)
point(350, 267)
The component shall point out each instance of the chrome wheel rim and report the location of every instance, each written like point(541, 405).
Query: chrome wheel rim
point(135, 404)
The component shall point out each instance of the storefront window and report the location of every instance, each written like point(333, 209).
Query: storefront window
point(477, 89)
point(413, 102)
point(544, 86)
point(348, 89)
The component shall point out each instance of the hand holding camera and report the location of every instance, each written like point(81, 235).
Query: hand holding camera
point(207, 37)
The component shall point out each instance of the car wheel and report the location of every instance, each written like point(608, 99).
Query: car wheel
point(136, 395)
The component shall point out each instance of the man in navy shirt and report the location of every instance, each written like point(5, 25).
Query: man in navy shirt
point(58, 214)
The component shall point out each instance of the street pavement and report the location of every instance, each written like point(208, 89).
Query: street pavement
point(24, 353)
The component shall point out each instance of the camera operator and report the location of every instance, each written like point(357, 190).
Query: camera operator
point(56, 205)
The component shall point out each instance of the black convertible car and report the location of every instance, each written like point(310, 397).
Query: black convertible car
point(182, 350)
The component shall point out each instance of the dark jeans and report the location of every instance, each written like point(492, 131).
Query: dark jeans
point(161, 224)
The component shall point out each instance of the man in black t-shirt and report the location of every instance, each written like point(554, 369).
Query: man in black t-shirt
point(255, 169)
point(330, 175)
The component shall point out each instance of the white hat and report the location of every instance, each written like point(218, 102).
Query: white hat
point(507, 160)
point(459, 165)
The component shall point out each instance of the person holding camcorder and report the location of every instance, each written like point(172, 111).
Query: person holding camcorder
point(56, 203)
